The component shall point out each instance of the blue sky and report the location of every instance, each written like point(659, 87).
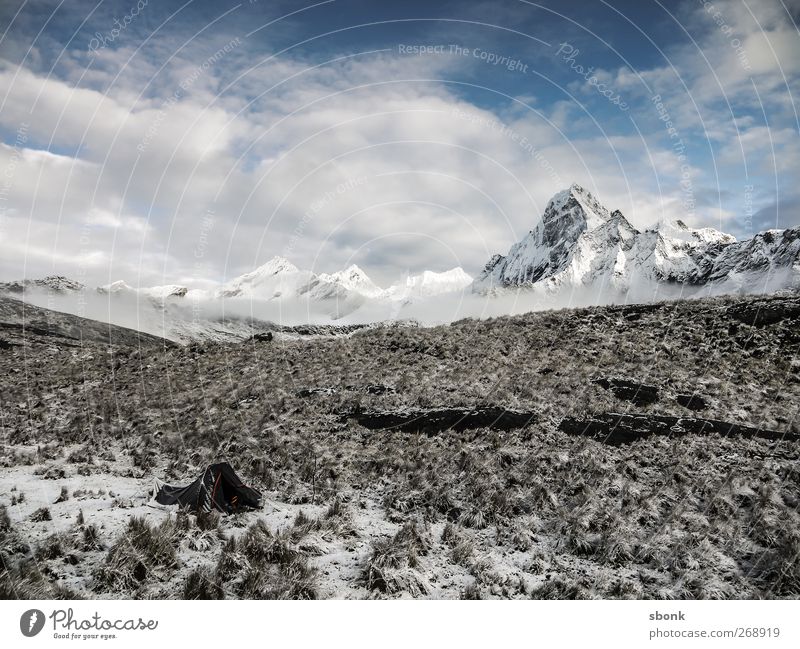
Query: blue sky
point(193, 141)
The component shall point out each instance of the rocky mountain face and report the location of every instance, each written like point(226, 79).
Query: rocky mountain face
point(52, 283)
point(580, 243)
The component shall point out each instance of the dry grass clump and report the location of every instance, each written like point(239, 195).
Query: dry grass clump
point(336, 522)
point(461, 545)
point(200, 532)
point(20, 574)
point(201, 584)
point(559, 587)
point(40, 515)
point(471, 591)
point(5, 521)
point(143, 552)
point(264, 565)
point(51, 548)
point(395, 566)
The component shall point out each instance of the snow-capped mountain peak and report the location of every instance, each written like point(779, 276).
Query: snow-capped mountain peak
point(354, 279)
point(118, 286)
point(575, 236)
point(270, 280)
point(574, 205)
point(579, 243)
point(677, 229)
point(155, 292)
point(274, 266)
point(429, 283)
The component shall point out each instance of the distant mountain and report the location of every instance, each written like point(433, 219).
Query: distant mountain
point(54, 283)
point(578, 253)
point(279, 278)
point(276, 279)
point(349, 283)
point(155, 292)
point(580, 243)
point(429, 284)
point(276, 292)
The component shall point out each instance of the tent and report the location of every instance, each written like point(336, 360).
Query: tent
point(217, 488)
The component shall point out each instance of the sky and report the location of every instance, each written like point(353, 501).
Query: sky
point(189, 142)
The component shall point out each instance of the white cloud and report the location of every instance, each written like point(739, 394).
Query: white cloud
point(441, 182)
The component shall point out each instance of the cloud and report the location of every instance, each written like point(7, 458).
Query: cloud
point(127, 158)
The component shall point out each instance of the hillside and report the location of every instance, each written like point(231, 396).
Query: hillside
point(641, 451)
point(23, 323)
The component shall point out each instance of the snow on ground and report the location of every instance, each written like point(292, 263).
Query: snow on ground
point(108, 499)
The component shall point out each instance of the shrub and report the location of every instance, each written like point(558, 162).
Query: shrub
point(63, 496)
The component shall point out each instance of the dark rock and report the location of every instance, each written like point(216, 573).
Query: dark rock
point(692, 401)
point(639, 394)
point(322, 330)
point(760, 313)
point(310, 392)
point(262, 337)
point(442, 419)
point(615, 429)
point(379, 389)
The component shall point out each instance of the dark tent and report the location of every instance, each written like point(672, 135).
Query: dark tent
point(217, 488)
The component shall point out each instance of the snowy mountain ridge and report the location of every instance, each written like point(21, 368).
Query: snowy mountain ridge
point(579, 243)
point(578, 253)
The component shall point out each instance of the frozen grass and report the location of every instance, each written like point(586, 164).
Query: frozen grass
point(395, 565)
point(530, 512)
point(144, 552)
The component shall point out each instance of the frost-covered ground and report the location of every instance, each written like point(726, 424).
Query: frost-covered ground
point(421, 510)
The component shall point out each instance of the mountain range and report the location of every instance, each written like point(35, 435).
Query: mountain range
point(579, 252)
point(579, 243)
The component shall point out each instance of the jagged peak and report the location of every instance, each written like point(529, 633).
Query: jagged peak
point(575, 205)
point(678, 229)
point(57, 283)
point(276, 265)
point(353, 271)
point(115, 287)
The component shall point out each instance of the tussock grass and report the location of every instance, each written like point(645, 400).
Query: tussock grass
point(697, 516)
point(143, 553)
point(394, 565)
point(5, 521)
point(40, 515)
point(201, 584)
point(265, 565)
